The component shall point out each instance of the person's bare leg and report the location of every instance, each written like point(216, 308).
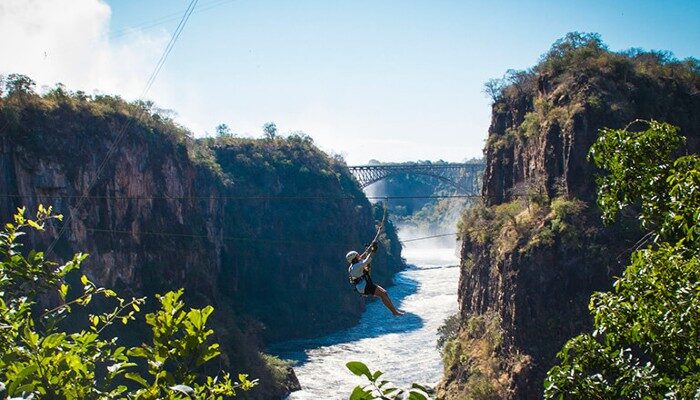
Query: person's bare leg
point(382, 294)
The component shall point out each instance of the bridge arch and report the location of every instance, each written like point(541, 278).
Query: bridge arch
point(465, 177)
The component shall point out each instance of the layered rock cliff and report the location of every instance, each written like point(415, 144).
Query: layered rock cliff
point(535, 250)
point(257, 228)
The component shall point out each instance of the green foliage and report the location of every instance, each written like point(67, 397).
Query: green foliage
point(566, 222)
point(179, 347)
point(531, 125)
point(571, 49)
point(529, 221)
point(223, 131)
point(646, 342)
point(475, 356)
point(528, 129)
point(641, 175)
point(486, 326)
point(16, 84)
point(22, 106)
point(452, 353)
point(381, 388)
point(280, 368)
point(513, 83)
point(448, 330)
point(481, 224)
point(270, 130)
point(40, 356)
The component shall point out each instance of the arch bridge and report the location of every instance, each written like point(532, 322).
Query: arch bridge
point(465, 177)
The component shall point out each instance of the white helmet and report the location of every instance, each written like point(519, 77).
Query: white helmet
point(351, 255)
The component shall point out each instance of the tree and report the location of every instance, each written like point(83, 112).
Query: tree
point(19, 84)
point(573, 41)
point(646, 338)
point(222, 130)
point(40, 357)
point(516, 82)
point(493, 88)
point(270, 130)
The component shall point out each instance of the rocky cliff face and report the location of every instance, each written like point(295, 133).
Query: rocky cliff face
point(257, 228)
point(535, 250)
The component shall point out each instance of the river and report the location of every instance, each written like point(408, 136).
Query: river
point(402, 347)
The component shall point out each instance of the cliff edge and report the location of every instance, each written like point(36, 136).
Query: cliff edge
point(535, 249)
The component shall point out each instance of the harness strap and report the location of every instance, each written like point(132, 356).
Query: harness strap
point(355, 281)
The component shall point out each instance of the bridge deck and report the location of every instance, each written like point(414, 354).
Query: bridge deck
point(464, 177)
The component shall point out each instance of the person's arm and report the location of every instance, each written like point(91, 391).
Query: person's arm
point(368, 258)
point(371, 250)
point(368, 251)
point(364, 254)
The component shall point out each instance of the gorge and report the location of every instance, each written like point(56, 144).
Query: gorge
point(256, 228)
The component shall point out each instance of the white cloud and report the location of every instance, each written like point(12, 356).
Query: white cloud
point(67, 41)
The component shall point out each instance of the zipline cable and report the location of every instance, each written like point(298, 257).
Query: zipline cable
point(260, 197)
point(248, 239)
point(126, 126)
point(429, 237)
point(144, 25)
point(204, 6)
point(173, 39)
point(225, 238)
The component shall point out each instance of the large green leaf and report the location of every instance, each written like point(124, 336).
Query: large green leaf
point(358, 368)
point(417, 394)
point(136, 378)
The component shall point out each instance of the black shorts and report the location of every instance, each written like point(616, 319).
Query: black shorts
point(370, 287)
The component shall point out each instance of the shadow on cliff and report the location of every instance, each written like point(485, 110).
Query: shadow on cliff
point(376, 321)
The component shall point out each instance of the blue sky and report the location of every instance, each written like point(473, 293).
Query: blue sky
point(391, 80)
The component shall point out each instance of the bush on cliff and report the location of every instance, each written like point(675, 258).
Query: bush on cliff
point(646, 338)
point(41, 356)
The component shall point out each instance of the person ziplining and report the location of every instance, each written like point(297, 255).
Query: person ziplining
point(360, 270)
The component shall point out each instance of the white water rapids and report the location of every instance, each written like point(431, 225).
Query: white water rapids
point(402, 347)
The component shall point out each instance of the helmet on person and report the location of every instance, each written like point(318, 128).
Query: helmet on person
point(351, 255)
